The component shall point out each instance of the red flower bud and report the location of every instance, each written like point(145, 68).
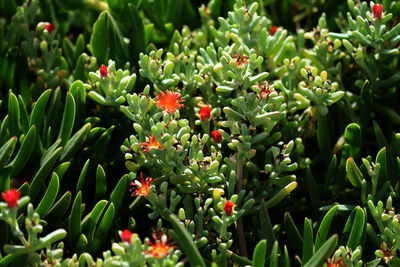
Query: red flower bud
point(49, 27)
point(103, 71)
point(377, 10)
point(273, 30)
point(126, 236)
point(216, 136)
point(205, 113)
point(228, 207)
point(11, 197)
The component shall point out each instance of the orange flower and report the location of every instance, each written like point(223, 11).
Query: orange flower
point(141, 187)
point(160, 247)
point(169, 101)
point(151, 143)
point(11, 197)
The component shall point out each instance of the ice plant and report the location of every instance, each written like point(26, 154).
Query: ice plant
point(126, 235)
point(228, 207)
point(141, 187)
point(273, 30)
point(151, 143)
point(103, 71)
point(49, 27)
point(160, 247)
point(216, 136)
point(205, 113)
point(11, 197)
point(377, 10)
point(169, 101)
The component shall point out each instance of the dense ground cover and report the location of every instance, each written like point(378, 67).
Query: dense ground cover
point(224, 133)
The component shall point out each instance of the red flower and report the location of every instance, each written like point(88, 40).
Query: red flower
point(205, 113)
point(228, 207)
point(142, 187)
point(336, 263)
point(216, 136)
point(103, 71)
point(126, 236)
point(160, 247)
point(377, 10)
point(151, 143)
point(273, 30)
point(169, 101)
point(49, 27)
point(11, 197)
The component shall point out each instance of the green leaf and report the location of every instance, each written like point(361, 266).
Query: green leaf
point(24, 152)
point(67, 123)
point(324, 227)
point(82, 176)
point(75, 219)
point(380, 138)
point(352, 136)
point(13, 114)
point(273, 261)
point(101, 183)
point(81, 244)
point(90, 221)
point(7, 150)
point(281, 195)
point(51, 238)
point(357, 229)
point(75, 142)
point(185, 241)
point(49, 196)
point(59, 208)
point(102, 230)
point(38, 110)
point(308, 241)
point(259, 254)
point(106, 41)
point(293, 233)
point(266, 228)
point(323, 252)
point(61, 169)
point(313, 190)
point(39, 180)
point(353, 173)
point(119, 192)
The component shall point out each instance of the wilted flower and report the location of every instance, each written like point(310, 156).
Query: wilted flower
point(241, 60)
point(205, 113)
point(335, 263)
point(266, 90)
point(377, 10)
point(103, 71)
point(228, 207)
point(11, 197)
point(126, 235)
point(141, 187)
point(216, 136)
point(169, 101)
point(160, 247)
point(151, 143)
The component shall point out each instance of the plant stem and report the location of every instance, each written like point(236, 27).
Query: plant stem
point(242, 240)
